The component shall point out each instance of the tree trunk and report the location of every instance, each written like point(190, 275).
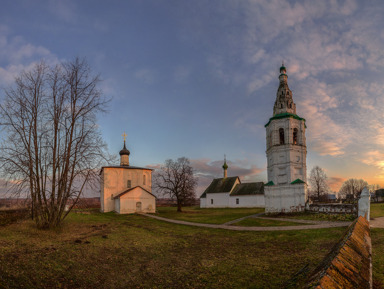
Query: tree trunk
point(179, 206)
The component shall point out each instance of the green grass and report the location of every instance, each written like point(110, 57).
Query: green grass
point(255, 222)
point(377, 236)
point(207, 216)
point(377, 210)
point(130, 251)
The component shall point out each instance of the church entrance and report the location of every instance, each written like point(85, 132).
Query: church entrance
point(138, 207)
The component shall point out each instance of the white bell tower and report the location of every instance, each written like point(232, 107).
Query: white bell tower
point(286, 153)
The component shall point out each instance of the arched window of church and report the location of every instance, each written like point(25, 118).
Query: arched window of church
point(287, 92)
point(144, 179)
point(295, 132)
point(281, 105)
point(281, 134)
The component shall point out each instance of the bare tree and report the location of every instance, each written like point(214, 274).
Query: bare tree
point(318, 182)
point(53, 148)
point(352, 188)
point(373, 191)
point(176, 179)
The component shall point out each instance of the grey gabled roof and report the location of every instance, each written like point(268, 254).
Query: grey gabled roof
point(222, 185)
point(248, 189)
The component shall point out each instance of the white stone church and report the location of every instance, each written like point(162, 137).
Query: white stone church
point(126, 189)
point(286, 189)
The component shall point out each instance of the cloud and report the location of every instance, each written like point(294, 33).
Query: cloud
point(148, 76)
point(374, 158)
point(335, 183)
point(17, 55)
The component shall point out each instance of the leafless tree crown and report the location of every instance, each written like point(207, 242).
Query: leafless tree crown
point(177, 180)
point(53, 147)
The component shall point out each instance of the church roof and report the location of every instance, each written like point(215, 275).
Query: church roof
point(125, 167)
point(284, 115)
point(297, 181)
point(222, 185)
point(128, 190)
point(248, 189)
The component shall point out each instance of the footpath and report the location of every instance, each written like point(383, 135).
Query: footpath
point(228, 226)
point(377, 222)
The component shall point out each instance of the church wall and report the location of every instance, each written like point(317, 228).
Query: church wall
point(203, 202)
point(116, 180)
point(249, 201)
point(102, 192)
point(220, 200)
point(285, 198)
point(286, 162)
point(128, 202)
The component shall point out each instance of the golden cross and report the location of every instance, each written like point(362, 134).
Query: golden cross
point(124, 135)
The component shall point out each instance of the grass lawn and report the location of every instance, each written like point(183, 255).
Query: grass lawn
point(377, 236)
point(255, 222)
point(377, 210)
point(207, 216)
point(130, 251)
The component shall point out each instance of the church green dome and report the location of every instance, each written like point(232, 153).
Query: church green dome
point(225, 166)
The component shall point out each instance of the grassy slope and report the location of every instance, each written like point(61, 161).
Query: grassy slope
point(207, 216)
point(146, 253)
point(377, 235)
point(377, 210)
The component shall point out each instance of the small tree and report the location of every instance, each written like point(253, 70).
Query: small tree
point(318, 182)
point(352, 188)
point(53, 147)
point(176, 179)
point(373, 191)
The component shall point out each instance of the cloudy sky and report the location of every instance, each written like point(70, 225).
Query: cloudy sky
point(199, 78)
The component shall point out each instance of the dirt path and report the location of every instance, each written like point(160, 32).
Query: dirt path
point(238, 228)
point(377, 222)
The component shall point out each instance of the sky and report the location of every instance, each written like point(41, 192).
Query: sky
point(199, 78)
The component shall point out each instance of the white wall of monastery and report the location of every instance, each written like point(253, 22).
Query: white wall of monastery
point(217, 200)
point(247, 201)
point(285, 198)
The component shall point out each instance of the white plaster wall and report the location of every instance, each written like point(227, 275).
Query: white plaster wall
point(203, 202)
point(249, 201)
point(129, 201)
point(286, 163)
point(220, 200)
point(114, 181)
point(286, 198)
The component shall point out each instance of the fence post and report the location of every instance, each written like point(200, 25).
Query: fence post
point(364, 204)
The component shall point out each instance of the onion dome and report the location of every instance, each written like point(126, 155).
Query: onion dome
point(124, 151)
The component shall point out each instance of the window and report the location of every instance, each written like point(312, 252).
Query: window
point(295, 136)
point(281, 134)
point(237, 201)
point(281, 105)
point(129, 184)
point(144, 179)
point(211, 201)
